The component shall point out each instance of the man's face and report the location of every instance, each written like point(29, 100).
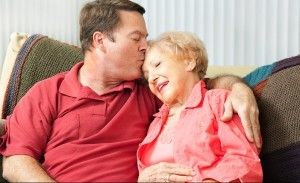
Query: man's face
point(126, 53)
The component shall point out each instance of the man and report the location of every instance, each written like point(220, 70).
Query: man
point(85, 125)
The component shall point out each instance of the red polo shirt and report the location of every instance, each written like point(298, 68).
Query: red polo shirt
point(78, 135)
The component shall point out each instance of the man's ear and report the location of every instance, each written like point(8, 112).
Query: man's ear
point(190, 65)
point(98, 40)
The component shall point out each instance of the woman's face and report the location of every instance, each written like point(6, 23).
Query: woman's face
point(166, 76)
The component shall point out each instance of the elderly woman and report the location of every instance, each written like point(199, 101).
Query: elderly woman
point(187, 130)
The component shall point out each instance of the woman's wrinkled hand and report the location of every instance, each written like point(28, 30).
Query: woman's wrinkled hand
point(166, 172)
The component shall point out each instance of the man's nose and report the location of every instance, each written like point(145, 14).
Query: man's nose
point(144, 45)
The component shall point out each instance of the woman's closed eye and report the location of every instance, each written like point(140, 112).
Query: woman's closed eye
point(157, 64)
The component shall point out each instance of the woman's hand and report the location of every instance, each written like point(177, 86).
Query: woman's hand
point(166, 172)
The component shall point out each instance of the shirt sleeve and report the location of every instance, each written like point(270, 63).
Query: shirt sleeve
point(29, 127)
point(238, 158)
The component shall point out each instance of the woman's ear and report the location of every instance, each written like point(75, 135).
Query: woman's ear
point(98, 40)
point(190, 65)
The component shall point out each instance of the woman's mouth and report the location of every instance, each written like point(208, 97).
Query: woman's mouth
point(160, 86)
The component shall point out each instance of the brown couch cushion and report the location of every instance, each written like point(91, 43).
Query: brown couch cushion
point(39, 58)
point(277, 87)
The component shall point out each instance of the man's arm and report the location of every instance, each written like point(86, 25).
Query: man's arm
point(223, 81)
point(23, 168)
point(242, 101)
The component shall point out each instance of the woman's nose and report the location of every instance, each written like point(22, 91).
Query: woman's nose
point(152, 77)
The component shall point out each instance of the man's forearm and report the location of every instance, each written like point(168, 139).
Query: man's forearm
point(22, 168)
point(223, 82)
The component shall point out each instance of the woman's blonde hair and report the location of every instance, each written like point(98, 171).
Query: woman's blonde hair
point(185, 46)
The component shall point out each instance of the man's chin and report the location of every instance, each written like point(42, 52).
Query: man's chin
point(135, 77)
point(139, 75)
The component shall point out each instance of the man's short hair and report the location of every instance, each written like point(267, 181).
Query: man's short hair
point(102, 16)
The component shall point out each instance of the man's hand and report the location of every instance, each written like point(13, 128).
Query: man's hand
point(166, 172)
point(242, 101)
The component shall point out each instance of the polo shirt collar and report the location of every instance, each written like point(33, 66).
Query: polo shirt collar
point(71, 86)
point(163, 109)
point(196, 96)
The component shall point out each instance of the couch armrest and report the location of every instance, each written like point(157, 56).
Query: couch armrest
point(15, 43)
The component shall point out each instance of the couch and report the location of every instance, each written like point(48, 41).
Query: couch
point(276, 87)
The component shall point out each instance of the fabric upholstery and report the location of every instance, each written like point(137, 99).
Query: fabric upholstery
point(39, 58)
point(15, 43)
point(277, 88)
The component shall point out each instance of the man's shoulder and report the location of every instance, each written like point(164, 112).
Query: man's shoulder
point(51, 84)
point(57, 78)
point(43, 95)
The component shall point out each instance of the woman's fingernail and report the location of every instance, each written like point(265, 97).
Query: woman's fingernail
point(189, 178)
